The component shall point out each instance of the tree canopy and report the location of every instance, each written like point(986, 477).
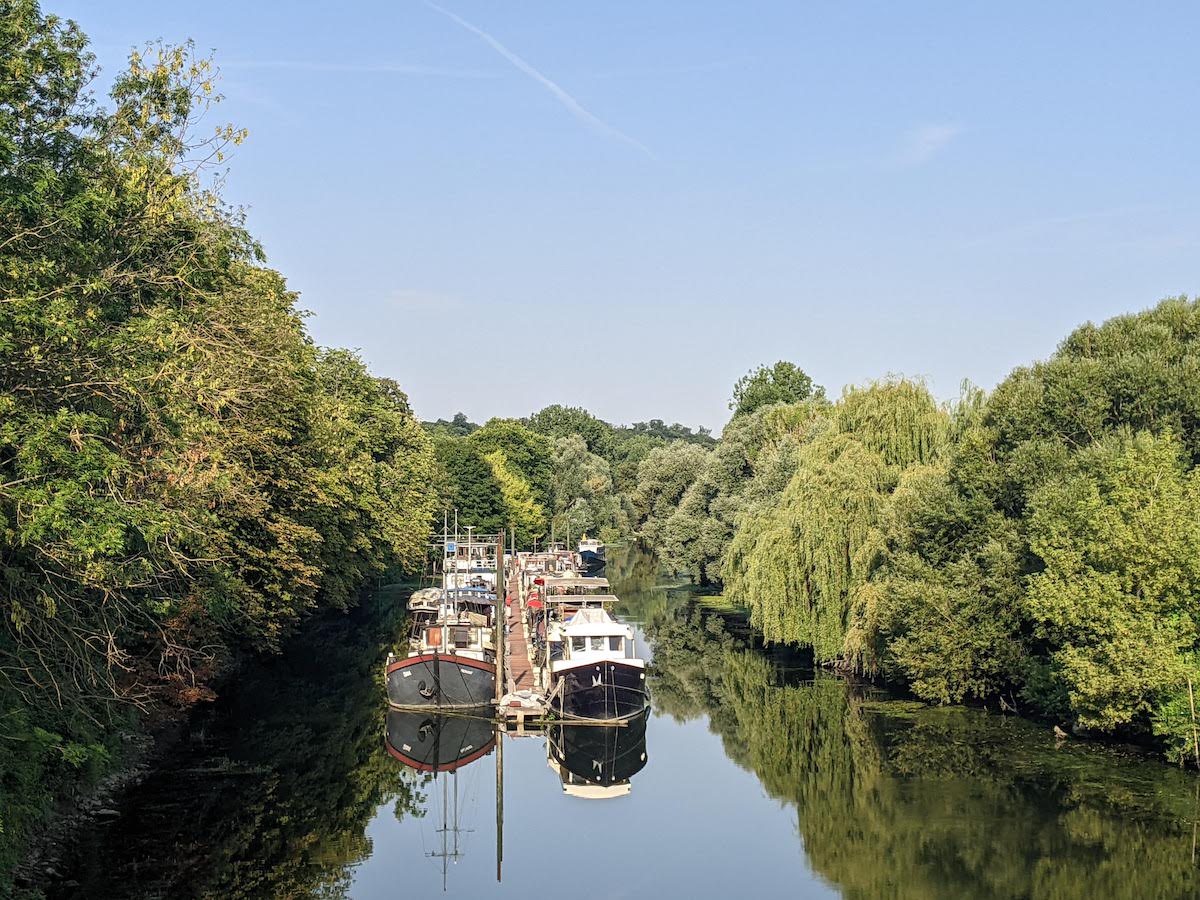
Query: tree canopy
point(783, 382)
point(184, 476)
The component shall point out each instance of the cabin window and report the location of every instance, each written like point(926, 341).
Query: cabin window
point(579, 644)
point(614, 644)
point(598, 643)
point(462, 637)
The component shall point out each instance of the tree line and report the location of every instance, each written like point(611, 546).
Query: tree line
point(184, 474)
point(1035, 548)
point(559, 473)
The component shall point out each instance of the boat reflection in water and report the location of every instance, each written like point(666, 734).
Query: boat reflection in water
point(438, 743)
point(596, 762)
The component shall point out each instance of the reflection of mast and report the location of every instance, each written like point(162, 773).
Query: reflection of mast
point(447, 854)
point(499, 802)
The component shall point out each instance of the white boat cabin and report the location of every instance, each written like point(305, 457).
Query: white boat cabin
point(590, 635)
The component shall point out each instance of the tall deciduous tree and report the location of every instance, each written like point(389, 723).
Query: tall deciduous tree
point(783, 382)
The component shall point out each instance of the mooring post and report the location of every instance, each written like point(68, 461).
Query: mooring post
point(501, 618)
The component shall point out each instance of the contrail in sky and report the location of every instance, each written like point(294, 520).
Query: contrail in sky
point(573, 106)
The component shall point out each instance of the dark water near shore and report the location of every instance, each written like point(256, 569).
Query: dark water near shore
point(760, 776)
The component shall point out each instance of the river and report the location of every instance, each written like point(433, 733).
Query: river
point(755, 774)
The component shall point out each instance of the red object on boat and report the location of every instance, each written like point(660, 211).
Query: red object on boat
point(539, 581)
point(534, 603)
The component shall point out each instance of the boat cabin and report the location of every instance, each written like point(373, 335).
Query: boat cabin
point(467, 634)
point(589, 635)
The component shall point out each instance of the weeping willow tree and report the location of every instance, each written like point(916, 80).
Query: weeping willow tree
point(797, 565)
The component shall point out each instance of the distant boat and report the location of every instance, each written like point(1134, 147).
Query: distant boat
point(591, 556)
point(594, 672)
point(597, 762)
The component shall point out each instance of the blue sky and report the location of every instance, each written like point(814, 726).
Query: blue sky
point(626, 205)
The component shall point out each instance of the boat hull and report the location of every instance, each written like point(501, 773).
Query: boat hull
point(440, 681)
point(601, 691)
point(592, 561)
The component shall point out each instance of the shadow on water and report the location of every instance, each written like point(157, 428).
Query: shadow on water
point(270, 791)
point(281, 781)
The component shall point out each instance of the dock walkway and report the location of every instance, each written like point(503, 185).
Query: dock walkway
point(523, 701)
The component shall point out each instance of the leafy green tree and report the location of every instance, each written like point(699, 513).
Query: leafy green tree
point(556, 421)
point(183, 475)
point(469, 485)
point(663, 476)
point(527, 452)
point(946, 623)
point(1119, 595)
point(744, 474)
point(799, 565)
point(522, 512)
point(583, 493)
point(783, 382)
point(459, 426)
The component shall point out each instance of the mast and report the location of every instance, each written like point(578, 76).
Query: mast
point(501, 618)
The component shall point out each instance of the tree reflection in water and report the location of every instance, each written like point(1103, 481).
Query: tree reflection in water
point(902, 801)
point(270, 791)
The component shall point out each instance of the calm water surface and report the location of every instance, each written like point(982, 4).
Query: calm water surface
point(759, 776)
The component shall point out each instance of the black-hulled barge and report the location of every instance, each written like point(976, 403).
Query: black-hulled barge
point(451, 658)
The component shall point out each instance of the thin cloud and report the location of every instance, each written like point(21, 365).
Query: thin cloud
point(574, 107)
point(360, 68)
point(923, 144)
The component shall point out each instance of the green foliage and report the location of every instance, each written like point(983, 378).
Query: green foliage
point(558, 421)
point(1052, 555)
point(523, 514)
point(948, 626)
point(530, 454)
point(663, 477)
point(744, 473)
point(584, 500)
point(1118, 597)
point(798, 564)
point(783, 382)
point(459, 426)
point(183, 475)
point(468, 484)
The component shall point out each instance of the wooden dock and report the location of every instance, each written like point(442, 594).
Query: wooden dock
point(519, 666)
point(523, 703)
